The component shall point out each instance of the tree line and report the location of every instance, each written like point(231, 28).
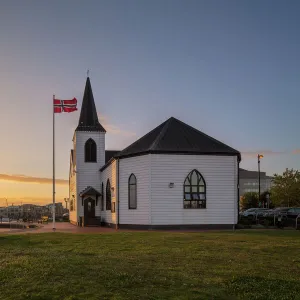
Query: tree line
point(285, 192)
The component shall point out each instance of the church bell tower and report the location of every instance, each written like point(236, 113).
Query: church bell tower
point(89, 149)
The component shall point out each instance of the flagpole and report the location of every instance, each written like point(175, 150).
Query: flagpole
point(53, 204)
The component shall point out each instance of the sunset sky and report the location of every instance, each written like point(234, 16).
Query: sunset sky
point(228, 68)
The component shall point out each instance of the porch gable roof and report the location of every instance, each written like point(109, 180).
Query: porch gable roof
point(89, 191)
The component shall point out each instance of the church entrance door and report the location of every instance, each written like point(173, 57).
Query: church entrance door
point(89, 211)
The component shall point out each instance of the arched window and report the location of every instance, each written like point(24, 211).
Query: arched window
point(71, 205)
point(194, 190)
point(90, 151)
point(102, 197)
point(132, 197)
point(108, 196)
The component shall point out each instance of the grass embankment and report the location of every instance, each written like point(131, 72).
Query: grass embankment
point(151, 265)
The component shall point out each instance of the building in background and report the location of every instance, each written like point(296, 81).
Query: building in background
point(31, 211)
point(59, 209)
point(249, 181)
point(14, 211)
point(3, 212)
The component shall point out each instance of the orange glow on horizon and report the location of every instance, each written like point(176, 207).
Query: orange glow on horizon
point(27, 192)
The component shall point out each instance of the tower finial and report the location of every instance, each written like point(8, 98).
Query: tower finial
point(88, 73)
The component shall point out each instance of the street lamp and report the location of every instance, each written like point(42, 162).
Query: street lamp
point(7, 208)
point(268, 199)
point(66, 200)
point(259, 156)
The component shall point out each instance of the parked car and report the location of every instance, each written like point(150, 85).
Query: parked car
point(252, 214)
point(291, 216)
point(293, 212)
point(276, 211)
point(254, 211)
point(268, 213)
point(66, 217)
point(287, 215)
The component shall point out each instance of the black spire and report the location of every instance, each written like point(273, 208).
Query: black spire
point(88, 120)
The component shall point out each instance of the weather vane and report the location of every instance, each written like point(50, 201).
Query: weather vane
point(88, 72)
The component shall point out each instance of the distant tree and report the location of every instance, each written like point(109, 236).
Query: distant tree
point(285, 189)
point(249, 200)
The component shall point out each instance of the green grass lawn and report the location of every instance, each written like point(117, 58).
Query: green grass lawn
point(151, 265)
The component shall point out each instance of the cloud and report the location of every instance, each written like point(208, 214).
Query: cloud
point(263, 152)
point(113, 128)
point(29, 179)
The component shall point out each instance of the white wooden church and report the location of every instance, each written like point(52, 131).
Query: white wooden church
point(174, 177)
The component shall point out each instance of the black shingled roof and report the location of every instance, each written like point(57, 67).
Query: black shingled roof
point(89, 191)
point(88, 120)
point(174, 136)
point(109, 154)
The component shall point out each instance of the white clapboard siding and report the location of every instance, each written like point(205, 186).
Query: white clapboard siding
point(88, 173)
point(140, 167)
point(72, 191)
point(109, 173)
point(220, 174)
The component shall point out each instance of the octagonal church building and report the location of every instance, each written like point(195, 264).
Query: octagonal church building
point(175, 177)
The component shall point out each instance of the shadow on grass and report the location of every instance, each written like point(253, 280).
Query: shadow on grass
point(17, 240)
point(247, 287)
point(271, 232)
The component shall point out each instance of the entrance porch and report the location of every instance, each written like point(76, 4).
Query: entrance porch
point(89, 198)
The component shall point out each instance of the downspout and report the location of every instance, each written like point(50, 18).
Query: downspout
point(69, 195)
point(238, 188)
point(118, 185)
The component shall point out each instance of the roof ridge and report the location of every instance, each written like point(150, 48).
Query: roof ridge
point(161, 134)
point(142, 137)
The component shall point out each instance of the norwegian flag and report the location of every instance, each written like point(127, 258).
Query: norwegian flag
point(65, 105)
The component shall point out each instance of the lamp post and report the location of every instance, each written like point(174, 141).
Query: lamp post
point(7, 208)
point(66, 200)
point(268, 199)
point(259, 156)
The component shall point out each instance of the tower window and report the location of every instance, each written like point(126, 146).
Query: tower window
point(90, 151)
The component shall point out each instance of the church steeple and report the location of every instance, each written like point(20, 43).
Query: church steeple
point(88, 120)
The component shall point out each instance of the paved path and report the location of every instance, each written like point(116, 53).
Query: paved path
point(60, 227)
point(69, 228)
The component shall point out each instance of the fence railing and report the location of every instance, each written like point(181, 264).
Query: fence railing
point(275, 220)
point(297, 221)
